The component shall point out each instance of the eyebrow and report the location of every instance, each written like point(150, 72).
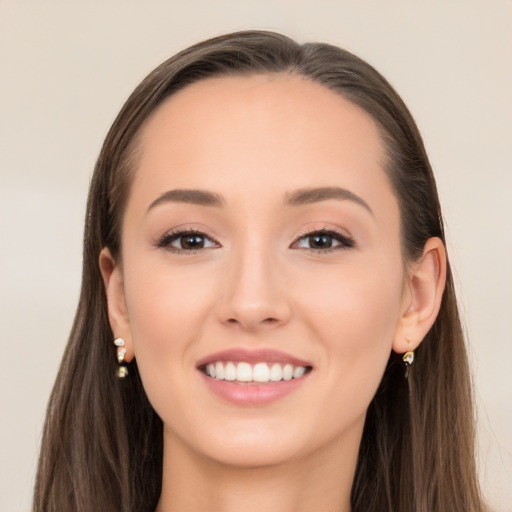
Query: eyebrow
point(313, 195)
point(299, 197)
point(200, 197)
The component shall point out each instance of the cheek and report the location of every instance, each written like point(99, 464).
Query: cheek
point(354, 313)
point(359, 300)
point(167, 311)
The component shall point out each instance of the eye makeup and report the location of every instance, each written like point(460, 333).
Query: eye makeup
point(192, 241)
point(188, 241)
point(323, 240)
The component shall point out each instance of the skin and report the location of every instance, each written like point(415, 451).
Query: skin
point(257, 283)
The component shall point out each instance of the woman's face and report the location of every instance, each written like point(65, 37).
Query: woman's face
point(260, 242)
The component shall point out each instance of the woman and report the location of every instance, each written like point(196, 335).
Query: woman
point(267, 317)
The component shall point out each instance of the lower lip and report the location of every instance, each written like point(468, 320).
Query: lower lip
point(252, 394)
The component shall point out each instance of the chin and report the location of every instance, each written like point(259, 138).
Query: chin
point(255, 455)
point(266, 444)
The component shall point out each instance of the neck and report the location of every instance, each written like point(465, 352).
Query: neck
point(320, 481)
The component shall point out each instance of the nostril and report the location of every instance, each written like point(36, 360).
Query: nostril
point(253, 323)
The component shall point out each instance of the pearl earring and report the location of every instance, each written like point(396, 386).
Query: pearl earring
point(122, 371)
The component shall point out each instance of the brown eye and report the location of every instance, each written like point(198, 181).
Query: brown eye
point(320, 241)
point(324, 241)
point(186, 241)
point(191, 242)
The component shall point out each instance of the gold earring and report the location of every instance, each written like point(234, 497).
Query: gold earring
point(122, 371)
point(408, 358)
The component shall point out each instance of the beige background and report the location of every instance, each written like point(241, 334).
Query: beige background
point(66, 68)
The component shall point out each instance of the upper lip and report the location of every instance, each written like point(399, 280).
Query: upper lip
point(260, 355)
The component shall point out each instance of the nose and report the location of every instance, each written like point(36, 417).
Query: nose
point(254, 296)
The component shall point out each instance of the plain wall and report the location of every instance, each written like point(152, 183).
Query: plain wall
point(67, 67)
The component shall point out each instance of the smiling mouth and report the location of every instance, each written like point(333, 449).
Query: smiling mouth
point(260, 373)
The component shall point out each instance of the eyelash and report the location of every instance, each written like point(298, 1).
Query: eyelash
point(345, 242)
point(170, 237)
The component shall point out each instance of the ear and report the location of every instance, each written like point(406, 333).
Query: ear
point(117, 311)
point(422, 297)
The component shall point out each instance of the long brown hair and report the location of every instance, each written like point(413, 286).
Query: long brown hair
point(102, 444)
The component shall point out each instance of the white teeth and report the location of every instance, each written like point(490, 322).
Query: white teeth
point(230, 371)
point(298, 372)
point(219, 371)
point(243, 372)
point(287, 372)
point(276, 372)
point(260, 372)
point(210, 370)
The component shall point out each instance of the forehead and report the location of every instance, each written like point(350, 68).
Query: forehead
point(262, 133)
